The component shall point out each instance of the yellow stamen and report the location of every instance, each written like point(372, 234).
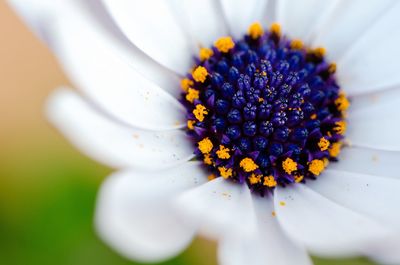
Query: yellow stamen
point(260, 100)
point(190, 124)
point(320, 52)
point(255, 30)
point(275, 29)
point(298, 178)
point(255, 179)
point(200, 74)
point(342, 103)
point(323, 144)
point(270, 181)
point(316, 166)
point(225, 172)
point(248, 164)
point(192, 95)
point(205, 54)
point(186, 83)
point(340, 127)
point(326, 162)
point(224, 44)
point(335, 149)
point(211, 177)
point(289, 165)
point(207, 159)
point(332, 68)
point(199, 112)
point(205, 145)
point(296, 44)
point(223, 152)
point(314, 116)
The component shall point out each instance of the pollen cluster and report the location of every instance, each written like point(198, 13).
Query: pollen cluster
point(264, 110)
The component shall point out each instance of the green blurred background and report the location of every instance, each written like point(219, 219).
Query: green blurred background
point(47, 188)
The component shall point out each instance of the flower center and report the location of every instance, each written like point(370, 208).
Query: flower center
point(264, 110)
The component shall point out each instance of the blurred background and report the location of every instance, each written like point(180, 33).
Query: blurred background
point(47, 188)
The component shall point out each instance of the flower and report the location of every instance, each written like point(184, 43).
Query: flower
point(128, 59)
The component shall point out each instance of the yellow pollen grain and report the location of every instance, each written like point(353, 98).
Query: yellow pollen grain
point(255, 179)
point(316, 166)
point(298, 178)
point(323, 144)
point(270, 181)
point(199, 112)
point(190, 124)
point(335, 149)
point(282, 203)
point(260, 100)
point(273, 213)
point(275, 29)
point(200, 74)
point(332, 68)
point(248, 164)
point(342, 103)
point(289, 165)
point(314, 116)
point(255, 30)
point(205, 54)
point(296, 44)
point(207, 159)
point(340, 127)
point(320, 51)
point(186, 83)
point(211, 177)
point(225, 172)
point(224, 44)
point(205, 145)
point(326, 162)
point(223, 152)
point(192, 95)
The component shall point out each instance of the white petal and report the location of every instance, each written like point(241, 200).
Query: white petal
point(374, 121)
point(240, 14)
point(135, 214)
point(386, 252)
point(112, 143)
point(372, 63)
point(349, 21)
point(269, 245)
point(38, 13)
point(368, 161)
point(152, 28)
point(373, 196)
point(219, 207)
point(191, 16)
point(111, 82)
point(325, 227)
point(299, 18)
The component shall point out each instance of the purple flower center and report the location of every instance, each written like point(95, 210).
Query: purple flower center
point(264, 110)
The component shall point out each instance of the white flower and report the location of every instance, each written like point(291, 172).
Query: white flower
point(127, 58)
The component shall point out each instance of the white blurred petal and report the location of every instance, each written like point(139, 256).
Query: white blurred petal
point(349, 21)
point(219, 207)
point(374, 121)
point(135, 215)
point(373, 196)
point(326, 228)
point(368, 161)
point(299, 18)
point(241, 13)
point(111, 82)
point(373, 62)
point(112, 143)
point(191, 15)
point(152, 28)
point(268, 245)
